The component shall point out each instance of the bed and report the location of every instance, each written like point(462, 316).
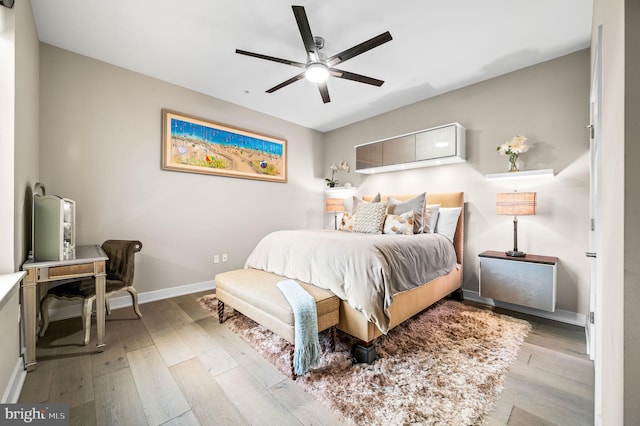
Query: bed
point(282, 253)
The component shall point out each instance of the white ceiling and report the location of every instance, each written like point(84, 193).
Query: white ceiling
point(437, 46)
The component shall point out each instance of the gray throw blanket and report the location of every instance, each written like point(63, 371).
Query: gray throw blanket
point(306, 344)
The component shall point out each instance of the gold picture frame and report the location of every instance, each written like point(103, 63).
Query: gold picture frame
point(196, 145)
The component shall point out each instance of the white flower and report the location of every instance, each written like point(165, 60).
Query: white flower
point(517, 145)
point(343, 165)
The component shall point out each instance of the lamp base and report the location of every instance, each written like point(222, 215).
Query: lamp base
point(515, 253)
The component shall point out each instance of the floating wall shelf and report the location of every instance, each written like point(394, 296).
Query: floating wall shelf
point(523, 174)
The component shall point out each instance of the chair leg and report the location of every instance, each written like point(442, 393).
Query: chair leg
point(106, 305)
point(44, 311)
point(134, 298)
point(87, 307)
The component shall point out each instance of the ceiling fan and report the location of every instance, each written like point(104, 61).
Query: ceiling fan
point(318, 67)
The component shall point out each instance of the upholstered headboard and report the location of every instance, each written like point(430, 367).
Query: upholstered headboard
point(445, 199)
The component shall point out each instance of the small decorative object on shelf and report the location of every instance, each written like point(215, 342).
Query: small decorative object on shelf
point(516, 146)
point(333, 182)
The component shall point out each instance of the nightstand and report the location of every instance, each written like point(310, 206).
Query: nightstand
point(527, 281)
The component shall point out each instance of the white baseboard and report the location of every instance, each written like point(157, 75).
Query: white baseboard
point(71, 310)
point(14, 387)
point(567, 317)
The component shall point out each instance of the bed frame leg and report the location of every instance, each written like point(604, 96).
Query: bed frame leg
point(220, 312)
point(293, 371)
point(332, 340)
point(458, 295)
point(364, 352)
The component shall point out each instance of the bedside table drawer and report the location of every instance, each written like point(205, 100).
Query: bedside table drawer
point(519, 281)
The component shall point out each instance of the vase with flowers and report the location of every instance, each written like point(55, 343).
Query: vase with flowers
point(341, 166)
point(512, 149)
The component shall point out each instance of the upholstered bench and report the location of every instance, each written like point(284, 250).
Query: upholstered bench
point(254, 294)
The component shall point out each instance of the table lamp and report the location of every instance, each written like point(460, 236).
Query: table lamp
point(335, 206)
point(516, 204)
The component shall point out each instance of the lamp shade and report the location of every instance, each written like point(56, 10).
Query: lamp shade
point(516, 203)
point(334, 205)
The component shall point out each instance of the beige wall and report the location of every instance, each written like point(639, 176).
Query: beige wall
point(100, 133)
point(19, 52)
point(27, 130)
point(548, 103)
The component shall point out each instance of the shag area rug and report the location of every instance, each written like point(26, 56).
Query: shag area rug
point(445, 366)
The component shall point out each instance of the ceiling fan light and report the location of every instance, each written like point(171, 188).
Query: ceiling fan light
point(317, 73)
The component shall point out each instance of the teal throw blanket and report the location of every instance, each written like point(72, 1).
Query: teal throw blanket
point(307, 346)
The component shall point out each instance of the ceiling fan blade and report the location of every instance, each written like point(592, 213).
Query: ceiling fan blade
point(271, 58)
point(356, 77)
point(305, 32)
point(286, 83)
point(358, 49)
point(324, 92)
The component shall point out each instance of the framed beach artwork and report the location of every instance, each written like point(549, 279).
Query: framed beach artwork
point(196, 145)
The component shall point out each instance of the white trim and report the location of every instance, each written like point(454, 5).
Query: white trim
point(567, 317)
point(14, 387)
point(72, 310)
point(8, 282)
point(521, 174)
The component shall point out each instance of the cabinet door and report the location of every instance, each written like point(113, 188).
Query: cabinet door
point(399, 150)
point(368, 156)
point(436, 143)
point(522, 283)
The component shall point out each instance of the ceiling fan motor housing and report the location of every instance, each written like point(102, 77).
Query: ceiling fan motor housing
point(318, 67)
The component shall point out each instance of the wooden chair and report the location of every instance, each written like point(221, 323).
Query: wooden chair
point(120, 269)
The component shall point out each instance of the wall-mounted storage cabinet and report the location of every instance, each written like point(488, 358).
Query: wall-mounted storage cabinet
point(429, 147)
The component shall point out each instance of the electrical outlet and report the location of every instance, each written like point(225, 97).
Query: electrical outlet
point(224, 257)
point(216, 258)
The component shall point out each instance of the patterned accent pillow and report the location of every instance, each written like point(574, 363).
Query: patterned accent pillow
point(346, 223)
point(399, 224)
point(370, 218)
point(415, 204)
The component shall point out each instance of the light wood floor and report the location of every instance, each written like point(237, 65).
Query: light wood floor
point(178, 366)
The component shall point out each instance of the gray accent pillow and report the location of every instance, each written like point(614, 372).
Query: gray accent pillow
point(358, 201)
point(415, 204)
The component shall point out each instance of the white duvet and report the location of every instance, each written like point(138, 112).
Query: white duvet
point(366, 270)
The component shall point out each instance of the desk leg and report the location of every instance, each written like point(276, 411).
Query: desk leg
point(100, 307)
point(29, 298)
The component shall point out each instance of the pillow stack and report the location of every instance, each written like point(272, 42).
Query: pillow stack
point(408, 217)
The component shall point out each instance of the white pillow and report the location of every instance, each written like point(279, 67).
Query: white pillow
point(399, 224)
point(369, 218)
point(430, 218)
point(448, 221)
